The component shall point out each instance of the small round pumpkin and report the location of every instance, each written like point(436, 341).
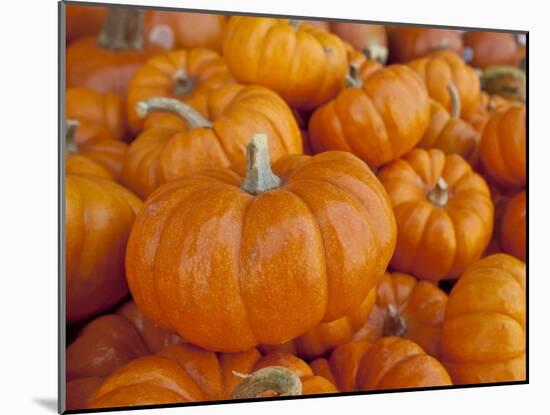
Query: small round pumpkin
point(443, 210)
point(503, 147)
point(484, 49)
point(187, 75)
point(378, 118)
point(306, 66)
point(488, 104)
point(409, 42)
point(514, 226)
point(369, 39)
point(484, 337)
point(316, 238)
point(82, 21)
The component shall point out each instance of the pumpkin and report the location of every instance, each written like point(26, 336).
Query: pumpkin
point(106, 63)
point(514, 226)
point(389, 363)
point(443, 211)
point(186, 373)
point(409, 42)
point(484, 335)
point(316, 238)
point(370, 39)
point(235, 112)
point(487, 105)
point(98, 216)
point(508, 82)
point(408, 308)
point(378, 118)
point(306, 66)
point(503, 147)
point(360, 64)
point(449, 133)
point(83, 21)
point(325, 336)
point(484, 49)
point(100, 116)
point(187, 75)
point(441, 68)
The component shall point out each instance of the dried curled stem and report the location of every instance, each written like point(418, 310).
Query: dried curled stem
point(269, 381)
point(259, 176)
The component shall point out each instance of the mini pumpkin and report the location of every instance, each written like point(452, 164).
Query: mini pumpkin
point(317, 263)
point(378, 118)
point(514, 226)
point(503, 147)
point(82, 21)
point(484, 335)
point(369, 39)
point(409, 42)
point(488, 104)
point(306, 66)
point(484, 49)
point(443, 210)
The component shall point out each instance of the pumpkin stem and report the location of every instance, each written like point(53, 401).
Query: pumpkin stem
point(269, 381)
point(294, 23)
point(507, 81)
point(122, 30)
point(376, 52)
point(394, 323)
point(161, 104)
point(455, 100)
point(443, 45)
point(353, 80)
point(259, 176)
point(183, 84)
point(439, 195)
point(70, 128)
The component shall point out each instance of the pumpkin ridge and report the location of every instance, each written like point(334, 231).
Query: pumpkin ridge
point(467, 313)
point(510, 169)
point(506, 271)
point(395, 367)
point(502, 169)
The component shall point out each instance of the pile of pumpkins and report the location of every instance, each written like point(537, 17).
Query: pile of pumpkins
point(266, 207)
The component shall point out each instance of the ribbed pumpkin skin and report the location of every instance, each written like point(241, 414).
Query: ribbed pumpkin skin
point(483, 337)
point(99, 214)
point(437, 242)
point(408, 43)
point(513, 231)
point(109, 154)
point(439, 69)
point(493, 48)
point(421, 304)
point(305, 66)
point(318, 245)
point(159, 155)
point(156, 79)
point(81, 165)
point(378, 122)
point(185, 373)
point(503, 147)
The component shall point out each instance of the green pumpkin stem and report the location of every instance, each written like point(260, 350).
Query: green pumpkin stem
point(184, 111)
point(259, 176)
point(394, 323)
point(70, 129)
point(439, 195)
point(294, 23)
point(455, 100)
point(353, 79)
point(122, 30)
point(269, 381)
point(182, 83)
point(376, 52)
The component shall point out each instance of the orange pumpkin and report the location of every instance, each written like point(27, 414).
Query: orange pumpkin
point(440, 69)
point(370, 39)
point(82, 21)
point(185, 373)
point(443, 211)
point(514, 227)
point(406, 308)
point(361, 64)
point(409, 42)
point(106, 63)
point(485, 49)
point(317, 250)
point(235, 112)
point(378, 118)
point(503, 147)
point(187, 75)
point(483, 337)
point(306, 66)
point(488, 104)
point(389, 363)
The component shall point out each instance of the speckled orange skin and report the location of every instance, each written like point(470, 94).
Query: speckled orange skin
point(493, 48)
point(326, 336)
point(437, 242)
point(185, 373)
point(503, 147)
point(483, 337)
point(421, 304)
point(451, 135)
point(439, 69)
point(82, 21)
point(162, 154)
point(378, 122)
point(78, 164)
point(317, 245)
point(99, 214)
point(360, 35)
point(305, 66)
point(100, 116)
point(407, 43)
point(389, 363)
point(110, 154)
point(514, 227)
point(155, 79)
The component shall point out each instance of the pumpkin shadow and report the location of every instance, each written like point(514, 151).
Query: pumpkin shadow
point(48, 403)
